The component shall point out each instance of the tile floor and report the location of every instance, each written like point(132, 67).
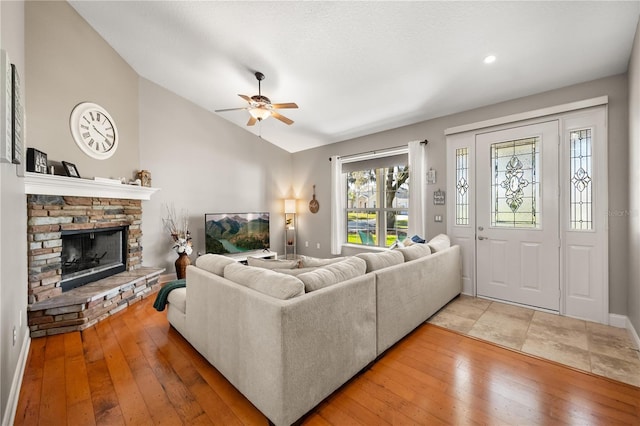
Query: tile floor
point(600, 349)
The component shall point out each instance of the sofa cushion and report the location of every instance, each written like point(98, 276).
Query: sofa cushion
point(296, 271)
point(382, 259)
point(334, 273)
point(415, 251)
point(272, 263)
point(439, 243)
point(213, 263)
point(265, 281)
point(308, 261)
point(178, 299)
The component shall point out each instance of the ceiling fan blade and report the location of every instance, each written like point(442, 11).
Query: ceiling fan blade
point(285, 105)
point(245, 97)
point(230, 109)
point(252, 121)
point(282, 118)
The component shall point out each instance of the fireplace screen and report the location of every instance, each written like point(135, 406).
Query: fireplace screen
point(90, 255)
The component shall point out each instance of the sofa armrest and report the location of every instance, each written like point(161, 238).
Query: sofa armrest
point(408, 294)
point(285, 356)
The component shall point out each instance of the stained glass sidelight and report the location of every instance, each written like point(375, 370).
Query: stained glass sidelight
point(462, 186)
point(580, 195)
point(515, 187)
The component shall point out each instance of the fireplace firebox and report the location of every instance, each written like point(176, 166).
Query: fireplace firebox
point(93, 254)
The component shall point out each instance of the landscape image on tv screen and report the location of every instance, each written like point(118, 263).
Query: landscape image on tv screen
point(236, 232)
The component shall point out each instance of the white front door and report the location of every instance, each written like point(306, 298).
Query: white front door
point(517, 216)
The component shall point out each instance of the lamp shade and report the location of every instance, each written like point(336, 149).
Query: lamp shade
point(289, 206)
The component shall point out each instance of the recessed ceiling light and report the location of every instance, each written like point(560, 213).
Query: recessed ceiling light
point(489, 59)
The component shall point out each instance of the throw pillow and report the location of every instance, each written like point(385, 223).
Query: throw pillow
point(333, 274)
point(439, 243)
point(272, 263)
point(382, 259)
point(265, 281)
point(397, 244)
point(213, 263)
point(417, 239)
point(415, 251)
point(308, 261)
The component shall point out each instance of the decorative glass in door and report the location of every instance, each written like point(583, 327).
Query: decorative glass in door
point(580, 197)
point(462, 186)
point(515, 190)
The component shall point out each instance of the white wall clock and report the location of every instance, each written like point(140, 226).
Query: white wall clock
point(94, 130)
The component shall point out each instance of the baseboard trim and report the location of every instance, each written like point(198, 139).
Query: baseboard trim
point(16, 383)
point(617, 320)
point(622, 321)
point(634, 333)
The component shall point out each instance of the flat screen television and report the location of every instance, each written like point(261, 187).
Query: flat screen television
point(236, 232)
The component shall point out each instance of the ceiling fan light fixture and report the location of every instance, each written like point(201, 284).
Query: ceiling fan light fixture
point(259, 113)
point(260, 107)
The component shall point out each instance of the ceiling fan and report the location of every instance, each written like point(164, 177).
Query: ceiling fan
point(260, 107)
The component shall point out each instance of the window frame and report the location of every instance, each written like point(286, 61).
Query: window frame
point(380, 210)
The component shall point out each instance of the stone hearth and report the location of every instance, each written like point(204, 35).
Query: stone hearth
point(85, 306)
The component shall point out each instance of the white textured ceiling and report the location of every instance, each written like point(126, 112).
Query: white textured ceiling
point(360, 67)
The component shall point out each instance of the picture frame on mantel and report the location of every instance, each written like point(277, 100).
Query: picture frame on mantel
point(36, 161)
point(70, 169)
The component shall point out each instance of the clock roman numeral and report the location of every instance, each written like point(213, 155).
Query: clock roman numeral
point(98, 115)
point(91, 115)
point(86, 135)
point(82, 126)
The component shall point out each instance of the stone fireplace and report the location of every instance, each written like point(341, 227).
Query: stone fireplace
point(54, 219)
point(85, 252)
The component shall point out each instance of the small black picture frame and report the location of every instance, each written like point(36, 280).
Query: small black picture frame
point(70, 169)
point(36, 161)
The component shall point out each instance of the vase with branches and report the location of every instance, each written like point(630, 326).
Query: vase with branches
point(178, 228)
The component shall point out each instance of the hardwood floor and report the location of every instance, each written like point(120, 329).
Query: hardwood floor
point(134, 369)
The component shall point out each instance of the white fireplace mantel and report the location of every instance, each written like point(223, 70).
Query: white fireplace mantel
point(37, 183)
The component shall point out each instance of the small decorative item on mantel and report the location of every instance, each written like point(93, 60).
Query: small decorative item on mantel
point(178, 228)
point(145, 177)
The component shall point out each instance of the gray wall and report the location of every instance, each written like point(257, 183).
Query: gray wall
point(13, 228)
point(633, 299)
point(312, 167)
point(68, 63)
point(204, 164)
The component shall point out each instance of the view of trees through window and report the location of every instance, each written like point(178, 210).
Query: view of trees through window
point(378, 205)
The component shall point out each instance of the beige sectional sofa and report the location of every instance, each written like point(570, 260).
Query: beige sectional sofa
point(287, 348)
